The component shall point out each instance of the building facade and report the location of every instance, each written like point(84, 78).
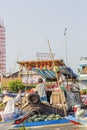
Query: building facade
point(2, 49)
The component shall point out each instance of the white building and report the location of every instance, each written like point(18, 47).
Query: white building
point(82, 72)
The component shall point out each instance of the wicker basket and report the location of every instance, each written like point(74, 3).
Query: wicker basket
point(56, 98)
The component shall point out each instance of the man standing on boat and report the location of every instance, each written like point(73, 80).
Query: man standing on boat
point(41, 89)
point(72, 97)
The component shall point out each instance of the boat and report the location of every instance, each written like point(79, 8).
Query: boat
point(79, 121)
point(42, 124)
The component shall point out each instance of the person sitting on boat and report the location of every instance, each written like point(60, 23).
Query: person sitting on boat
point(10, 111)
point(41, 89)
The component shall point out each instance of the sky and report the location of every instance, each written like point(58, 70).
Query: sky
point(29, 23)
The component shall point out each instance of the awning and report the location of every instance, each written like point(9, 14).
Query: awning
point(50, 75)
point(68, 72)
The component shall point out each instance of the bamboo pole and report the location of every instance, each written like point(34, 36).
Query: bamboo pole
point(56, 76)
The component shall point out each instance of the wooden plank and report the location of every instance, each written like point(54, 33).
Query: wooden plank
point(40, 62)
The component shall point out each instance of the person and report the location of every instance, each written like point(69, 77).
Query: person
point(41, 89)
point(61, 78)
point(61, 82)
point(71, 98)
point(10, 111)
point(59, 92)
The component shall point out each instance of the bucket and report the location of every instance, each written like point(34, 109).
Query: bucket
point(75, 108)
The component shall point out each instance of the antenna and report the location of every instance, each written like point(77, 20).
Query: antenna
point(66, 45)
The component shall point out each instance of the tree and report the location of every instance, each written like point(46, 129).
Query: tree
point(15, 85)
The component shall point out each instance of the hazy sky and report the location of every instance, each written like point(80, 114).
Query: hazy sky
point(29, 23)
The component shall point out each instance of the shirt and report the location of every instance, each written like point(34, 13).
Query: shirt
point(41, 89)
point(71, 99)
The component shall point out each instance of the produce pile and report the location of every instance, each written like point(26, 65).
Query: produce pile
point(37, 118)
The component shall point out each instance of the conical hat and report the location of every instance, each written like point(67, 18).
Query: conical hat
point(6, 99)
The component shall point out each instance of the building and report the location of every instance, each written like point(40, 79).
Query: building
point(82, 73)
point(2, 49)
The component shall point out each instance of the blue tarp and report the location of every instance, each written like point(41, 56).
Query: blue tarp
point(47, 74)
point(70, 72)
point(50, 75)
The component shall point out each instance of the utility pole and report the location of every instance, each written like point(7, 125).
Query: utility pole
point(66, 45)
point(66, 53)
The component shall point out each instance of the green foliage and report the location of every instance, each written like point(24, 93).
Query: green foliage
point(15, 85)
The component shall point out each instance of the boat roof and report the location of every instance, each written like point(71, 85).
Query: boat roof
point(49, 75)
point(41, 62)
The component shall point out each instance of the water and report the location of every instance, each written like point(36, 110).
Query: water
point(68, 127)
point(62, 128)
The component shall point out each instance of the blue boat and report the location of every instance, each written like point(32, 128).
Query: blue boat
point(43, 123)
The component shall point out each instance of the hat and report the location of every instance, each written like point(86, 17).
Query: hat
point(6, 99)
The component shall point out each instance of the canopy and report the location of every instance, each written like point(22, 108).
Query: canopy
point(40, 63)
point(50, 75)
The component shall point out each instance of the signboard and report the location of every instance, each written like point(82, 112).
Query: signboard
point(30, 79)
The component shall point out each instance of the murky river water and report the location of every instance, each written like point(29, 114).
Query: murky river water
point(62, 128)
point(69, 127)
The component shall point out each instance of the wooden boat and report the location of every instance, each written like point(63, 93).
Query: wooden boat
point(42, 124)
point(29, 120)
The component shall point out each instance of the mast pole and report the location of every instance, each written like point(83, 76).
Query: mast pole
point(52, 58)
point(56, 77)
